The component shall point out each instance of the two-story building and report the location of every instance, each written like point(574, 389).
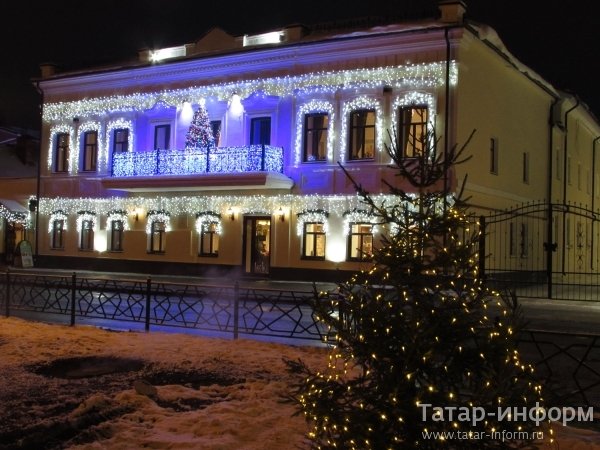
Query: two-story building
point(121, 189)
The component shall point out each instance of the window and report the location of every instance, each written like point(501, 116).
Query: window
point(162, 137)
point(120, 140)
point(362, 134)
point(61, 153)
point(315, 136)
point(313, 243)
point(58, 228)
point(157, 237)
point(216, 131)
point(360, 241)
point(86, 235)
point(526, 167)
point(90, 151)
point(209, 239)
point(494, 156)
point(116, 236)
point(260, 131)
point(413, 130)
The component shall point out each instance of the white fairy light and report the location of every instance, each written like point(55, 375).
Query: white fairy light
point(206, 218)
point(158, 216)
point(88, 216)
point(416, 76)
point(359, 216)
point(312, 216)
point(58, 129)
point(57, 215)
point(362, 103)
point(118, 124)
point(314, 106)
point(117, 216)
point(74, 156)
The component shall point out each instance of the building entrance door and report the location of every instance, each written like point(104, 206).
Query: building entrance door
point(257, 245)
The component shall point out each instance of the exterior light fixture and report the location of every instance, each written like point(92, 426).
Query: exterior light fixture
point(281, 214)
point(231, 213)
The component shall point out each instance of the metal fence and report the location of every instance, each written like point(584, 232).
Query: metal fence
point(543, 250)
point(228, 309)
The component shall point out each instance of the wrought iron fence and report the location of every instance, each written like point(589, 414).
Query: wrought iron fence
point(219, 308)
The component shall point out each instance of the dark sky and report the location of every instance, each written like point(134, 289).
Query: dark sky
point(558, 39)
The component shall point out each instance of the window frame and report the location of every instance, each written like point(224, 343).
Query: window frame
point(266, 136)
point(89, 150)
point(161, 237)
point(209, 235)
point(116, 231)
point(167, 128)
point(315, 137)
point(58, 232)
point(120, 146)
point(352, 127)
point(60, 162)
point(404, 141)
point(86, 235)
point(316, 235)
point(360, 250)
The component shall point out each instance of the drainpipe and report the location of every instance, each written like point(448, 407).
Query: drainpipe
point(593, 198)
point(549, 245)
point(565, 150)
point(446, 118)
point(39, 169)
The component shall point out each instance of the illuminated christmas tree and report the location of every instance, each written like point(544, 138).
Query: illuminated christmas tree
point(416, 349)
point(200, 134)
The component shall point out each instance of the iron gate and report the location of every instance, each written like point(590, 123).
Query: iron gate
point(543, 250)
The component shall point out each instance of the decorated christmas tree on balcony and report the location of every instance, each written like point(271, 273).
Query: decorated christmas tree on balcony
point(417, 351)
point(200, 134)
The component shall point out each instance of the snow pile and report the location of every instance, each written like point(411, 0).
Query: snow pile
point(193, 393)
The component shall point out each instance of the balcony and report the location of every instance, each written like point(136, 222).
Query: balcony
point(221, 160)
point(222, 168)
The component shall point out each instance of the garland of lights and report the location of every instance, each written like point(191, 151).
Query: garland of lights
point(54, 130)
point(206, 218)
point(190, 205)
point(425, 75)
point(15, 217)
point(118, 124)
point(413, 98)
point(84, 128)
point(314, 106)
point(359, 216)
point(86, 216)
point(362, 103)
point(117, 216)
point(57, 215)
point(318, 216)
point(158, 216)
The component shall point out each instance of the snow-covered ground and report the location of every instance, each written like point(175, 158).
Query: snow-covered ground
point(155, 390)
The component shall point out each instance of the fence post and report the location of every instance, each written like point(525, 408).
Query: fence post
point(236, 309)
point(148, 295)
point(7, 299)
point(482, 247)
point(73, 290)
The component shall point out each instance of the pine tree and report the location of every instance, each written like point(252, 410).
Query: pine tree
point(200, 133)
point(414, 332)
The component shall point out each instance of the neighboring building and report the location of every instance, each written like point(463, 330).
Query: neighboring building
point(267, 196)
point(19, 151)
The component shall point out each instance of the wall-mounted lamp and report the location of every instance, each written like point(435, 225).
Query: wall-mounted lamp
point(138, 212)
point(281, 214)
point(231, 213)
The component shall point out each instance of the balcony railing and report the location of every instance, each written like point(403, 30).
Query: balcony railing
point(251, 158)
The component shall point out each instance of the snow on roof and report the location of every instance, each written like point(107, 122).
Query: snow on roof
point(489, 35)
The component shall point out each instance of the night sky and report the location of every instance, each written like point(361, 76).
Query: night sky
point(557, 38)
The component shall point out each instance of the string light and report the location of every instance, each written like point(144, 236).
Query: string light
point(57, 215)
point(362, 103)
point(60, 129)
point(15, 217)
point(117, 216)
point(205, 218)
point(312, 216)
point(314, 106)
point(158, 216)
point(425, 75)
point(86, 216)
